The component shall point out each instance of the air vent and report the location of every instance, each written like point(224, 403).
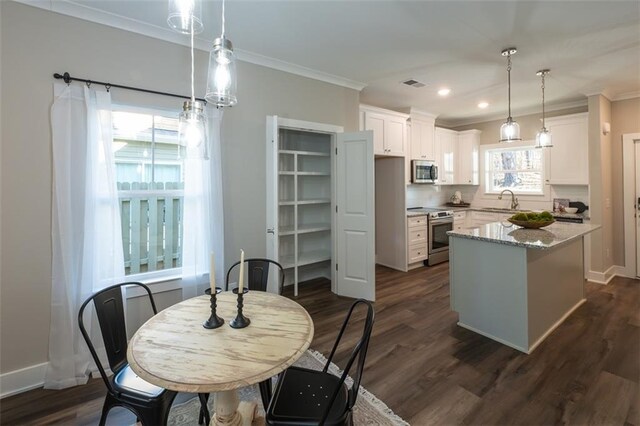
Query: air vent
point(414, 83)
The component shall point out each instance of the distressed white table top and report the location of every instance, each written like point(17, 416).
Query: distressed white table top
point(174, 351)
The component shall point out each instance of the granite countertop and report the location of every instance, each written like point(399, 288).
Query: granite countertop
point(544, 238)
point(414, 213)
point(584, 215)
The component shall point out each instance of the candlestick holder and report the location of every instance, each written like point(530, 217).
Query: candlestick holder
point(214, 320)
point(240, 321)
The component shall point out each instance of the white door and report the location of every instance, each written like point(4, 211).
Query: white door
point(355, 220)
point(637, 204)
point(272, 196)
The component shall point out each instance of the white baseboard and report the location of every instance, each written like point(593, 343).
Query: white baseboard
point(623, 271)
point(606, 276)
point(22, 380)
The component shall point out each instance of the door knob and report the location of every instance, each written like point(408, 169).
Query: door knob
point(271, 231)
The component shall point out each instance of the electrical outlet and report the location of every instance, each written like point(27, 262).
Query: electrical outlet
point(608, 253)
point(607, 203)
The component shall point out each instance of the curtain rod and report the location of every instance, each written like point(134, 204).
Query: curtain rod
point(68, 79)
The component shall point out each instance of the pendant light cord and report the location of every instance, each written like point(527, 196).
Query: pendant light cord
point(509, 79)
point(543, 125)
point(222, 18)
point(193, 95)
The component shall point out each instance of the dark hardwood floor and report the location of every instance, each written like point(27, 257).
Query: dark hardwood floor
point(432, 372)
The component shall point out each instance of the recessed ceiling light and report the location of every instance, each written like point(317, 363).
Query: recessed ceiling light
point(483, 105)
point(444, 91)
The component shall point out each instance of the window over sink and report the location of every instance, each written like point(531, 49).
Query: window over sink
point(518, 168)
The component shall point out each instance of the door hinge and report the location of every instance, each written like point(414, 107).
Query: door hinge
point(336, 151)
point(336, 266)
point(336, 209)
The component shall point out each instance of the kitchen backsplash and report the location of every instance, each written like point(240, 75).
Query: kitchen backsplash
point(434, 196)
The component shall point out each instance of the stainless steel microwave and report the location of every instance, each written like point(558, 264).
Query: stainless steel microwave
point(424, 171)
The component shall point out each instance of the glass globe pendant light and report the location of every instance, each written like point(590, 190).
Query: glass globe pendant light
point(543, 137)
point(221, 79)
point(510, 130)
point(185, 15)
point(192, 124)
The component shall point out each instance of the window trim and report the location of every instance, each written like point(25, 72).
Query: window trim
point(522, 196)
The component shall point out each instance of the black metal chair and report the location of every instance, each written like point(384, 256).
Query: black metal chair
point(258, 274)
point(258, 279)
point(150, 403)
point(311, 397)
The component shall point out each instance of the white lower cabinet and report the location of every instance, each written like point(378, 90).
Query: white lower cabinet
point(417, 241)
point(460, 220)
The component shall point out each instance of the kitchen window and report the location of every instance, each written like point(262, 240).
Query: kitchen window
point(150, 179)
point(517, 168)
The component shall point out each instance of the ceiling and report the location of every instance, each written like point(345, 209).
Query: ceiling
point(590, 46)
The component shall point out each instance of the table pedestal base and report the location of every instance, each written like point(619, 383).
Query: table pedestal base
point(230, 412)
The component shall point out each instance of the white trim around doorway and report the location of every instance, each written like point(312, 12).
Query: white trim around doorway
point(628, 176)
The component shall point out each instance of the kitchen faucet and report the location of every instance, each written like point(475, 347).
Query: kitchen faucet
point(514, 200)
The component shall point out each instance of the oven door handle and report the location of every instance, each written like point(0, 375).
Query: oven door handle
point(441, 220)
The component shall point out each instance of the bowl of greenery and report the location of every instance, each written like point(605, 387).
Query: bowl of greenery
point(532, 220)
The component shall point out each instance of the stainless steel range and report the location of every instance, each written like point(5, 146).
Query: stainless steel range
point(439, 223)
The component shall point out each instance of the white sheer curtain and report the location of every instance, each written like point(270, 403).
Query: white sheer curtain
point(87, 243)
point(203, 222)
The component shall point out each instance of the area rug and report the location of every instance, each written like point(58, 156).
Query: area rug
point(368, 410)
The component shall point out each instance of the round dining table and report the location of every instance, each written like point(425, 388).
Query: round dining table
point(173, 350)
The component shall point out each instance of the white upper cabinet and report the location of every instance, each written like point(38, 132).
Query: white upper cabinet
point(389, 130)
point(422, 137)
point(568, 159)
point(468, 172)
point(446, 151)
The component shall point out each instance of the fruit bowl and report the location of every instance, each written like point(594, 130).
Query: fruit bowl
point(530, 224)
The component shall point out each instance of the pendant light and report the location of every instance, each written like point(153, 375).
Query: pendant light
point(543, 137)
point(185, 15)
point(221, 79)
point(192, 124)
point(510, 130)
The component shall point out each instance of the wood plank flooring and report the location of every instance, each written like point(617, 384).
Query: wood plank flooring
point(432, 372)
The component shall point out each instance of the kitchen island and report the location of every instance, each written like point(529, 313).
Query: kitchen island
point(516, 285)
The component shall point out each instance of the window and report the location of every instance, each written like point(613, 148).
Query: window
point(518, 168)
point(150, 179)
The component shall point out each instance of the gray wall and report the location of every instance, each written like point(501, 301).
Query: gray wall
point(35, 44)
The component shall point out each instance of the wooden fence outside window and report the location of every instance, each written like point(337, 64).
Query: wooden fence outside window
point(151, 216)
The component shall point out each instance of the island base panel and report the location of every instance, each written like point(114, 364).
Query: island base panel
point(515, 295)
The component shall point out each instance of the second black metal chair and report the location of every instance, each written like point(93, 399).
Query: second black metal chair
point(311, 397)
point(150, 403)
point(258, 280)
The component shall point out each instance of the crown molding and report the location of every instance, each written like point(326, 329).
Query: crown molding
point(97, 16)
point(279, 65)
point(603, 92)
point(626, 95)
point(515, 113)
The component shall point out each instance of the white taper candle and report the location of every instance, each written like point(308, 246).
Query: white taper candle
point(241, 279)
point(212, 274)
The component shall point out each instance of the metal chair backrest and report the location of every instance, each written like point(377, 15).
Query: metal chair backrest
point(110, 312)
point(258, 274)
point(360, 351)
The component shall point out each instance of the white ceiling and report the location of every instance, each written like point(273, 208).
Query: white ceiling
point(590, 46)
